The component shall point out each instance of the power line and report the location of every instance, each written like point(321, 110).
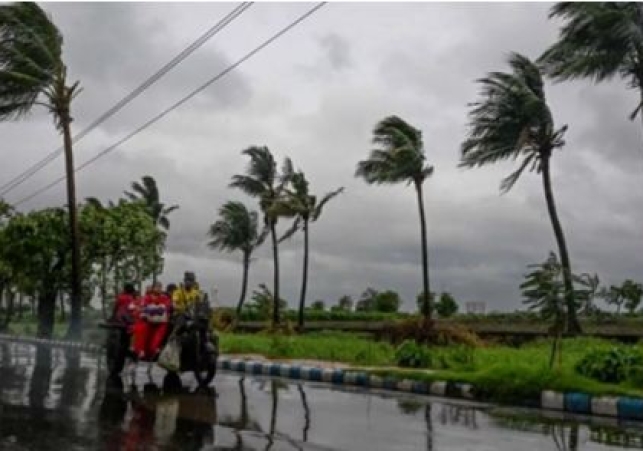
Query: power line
point(180, 102)
point(35, 168)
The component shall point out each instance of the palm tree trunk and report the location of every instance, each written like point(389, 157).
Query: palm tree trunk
point(275, 256)
point(46, 312)
point(304, 282)
point(573, 326)
point(75, 324)
point(427, 305)
point(244, 282)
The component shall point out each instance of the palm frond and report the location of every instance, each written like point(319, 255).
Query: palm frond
point(30, 57)
point(295, 226)
point(320, 206)
point(168, 210)
point(399, 155)
point(236, 229)
point(597, 41)
point(509, 181)
point(248, 185)
point(164, 222)
point(511, 120)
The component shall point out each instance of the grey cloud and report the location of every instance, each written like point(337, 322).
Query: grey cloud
point(315, 97)
point(338, 51)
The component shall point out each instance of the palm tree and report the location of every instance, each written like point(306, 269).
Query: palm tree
point(148, 193)
point(304, 207)
point(32, 72)
point(237, 230)
point(264, 182)
point(513, 120)
point(599, 41)
point(399, 157)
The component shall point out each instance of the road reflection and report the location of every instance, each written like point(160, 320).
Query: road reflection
point(53, 400)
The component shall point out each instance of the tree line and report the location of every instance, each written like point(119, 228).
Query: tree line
point(120, 241)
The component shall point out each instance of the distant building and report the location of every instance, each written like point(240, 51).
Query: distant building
point(477, 308)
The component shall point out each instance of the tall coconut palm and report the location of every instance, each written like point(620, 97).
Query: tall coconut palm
point(32, 72)
point(264, 182)
point(297, 202)
point(399, 157)
point(237, 230)
point(512, 120)
point(148, 192)
point(598, 41)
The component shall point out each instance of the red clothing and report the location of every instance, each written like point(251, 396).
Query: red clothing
point(126, 304)
point(151, 327)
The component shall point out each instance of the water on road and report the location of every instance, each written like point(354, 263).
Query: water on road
point(58, 400)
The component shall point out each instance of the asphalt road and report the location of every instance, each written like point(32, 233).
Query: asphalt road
point(58, 400)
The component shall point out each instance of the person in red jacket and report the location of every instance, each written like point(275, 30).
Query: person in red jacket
point(151, 327)
point(125, 308)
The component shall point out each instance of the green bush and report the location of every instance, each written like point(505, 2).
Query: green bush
point(609, 365)
point(412, 355)
point(460, 357)
point(635, 375)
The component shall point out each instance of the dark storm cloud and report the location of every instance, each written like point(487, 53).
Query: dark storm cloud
point(315, 96)
point(113, 48)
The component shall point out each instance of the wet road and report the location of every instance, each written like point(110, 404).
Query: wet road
point(54, 399)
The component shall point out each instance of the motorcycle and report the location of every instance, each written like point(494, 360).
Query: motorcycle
point(199, 344)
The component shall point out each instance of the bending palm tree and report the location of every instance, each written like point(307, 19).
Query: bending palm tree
point(237, 230)
point(513, 120)
point(148, 193)
point(598, 41)
point(303, 206)
point(32, 72)
point(264, 182)
point(400, 158)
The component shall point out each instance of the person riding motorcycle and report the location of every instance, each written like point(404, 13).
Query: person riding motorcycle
point(152, 326)
point(187, 295)
point(126, 306)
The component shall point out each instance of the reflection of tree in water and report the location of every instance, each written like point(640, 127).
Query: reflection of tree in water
point(243, 422)
point(458, 415)
point(40, 378)
point(616, 437)
point(563, 433)
point(304, 403)
point(429, 427)
point(74, 381)
point(410, 406)
point(563, 440)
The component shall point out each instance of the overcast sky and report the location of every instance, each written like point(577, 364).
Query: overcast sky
point(315, 96)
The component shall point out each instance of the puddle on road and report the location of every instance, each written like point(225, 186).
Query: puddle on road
point(53, 399)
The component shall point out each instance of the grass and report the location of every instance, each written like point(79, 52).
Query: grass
point(336, 347)
point(29, 327)
point(499, 373)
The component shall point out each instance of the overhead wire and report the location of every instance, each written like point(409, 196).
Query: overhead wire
point(185, 99)
point(211, 32)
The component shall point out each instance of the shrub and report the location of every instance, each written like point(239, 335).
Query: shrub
point(609, 365)
point(635, 375)
point(461, 357)
point(412, 355)
point(458, 335)
point(222, 319)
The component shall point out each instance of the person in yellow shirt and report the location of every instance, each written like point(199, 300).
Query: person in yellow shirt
point(187, 294)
